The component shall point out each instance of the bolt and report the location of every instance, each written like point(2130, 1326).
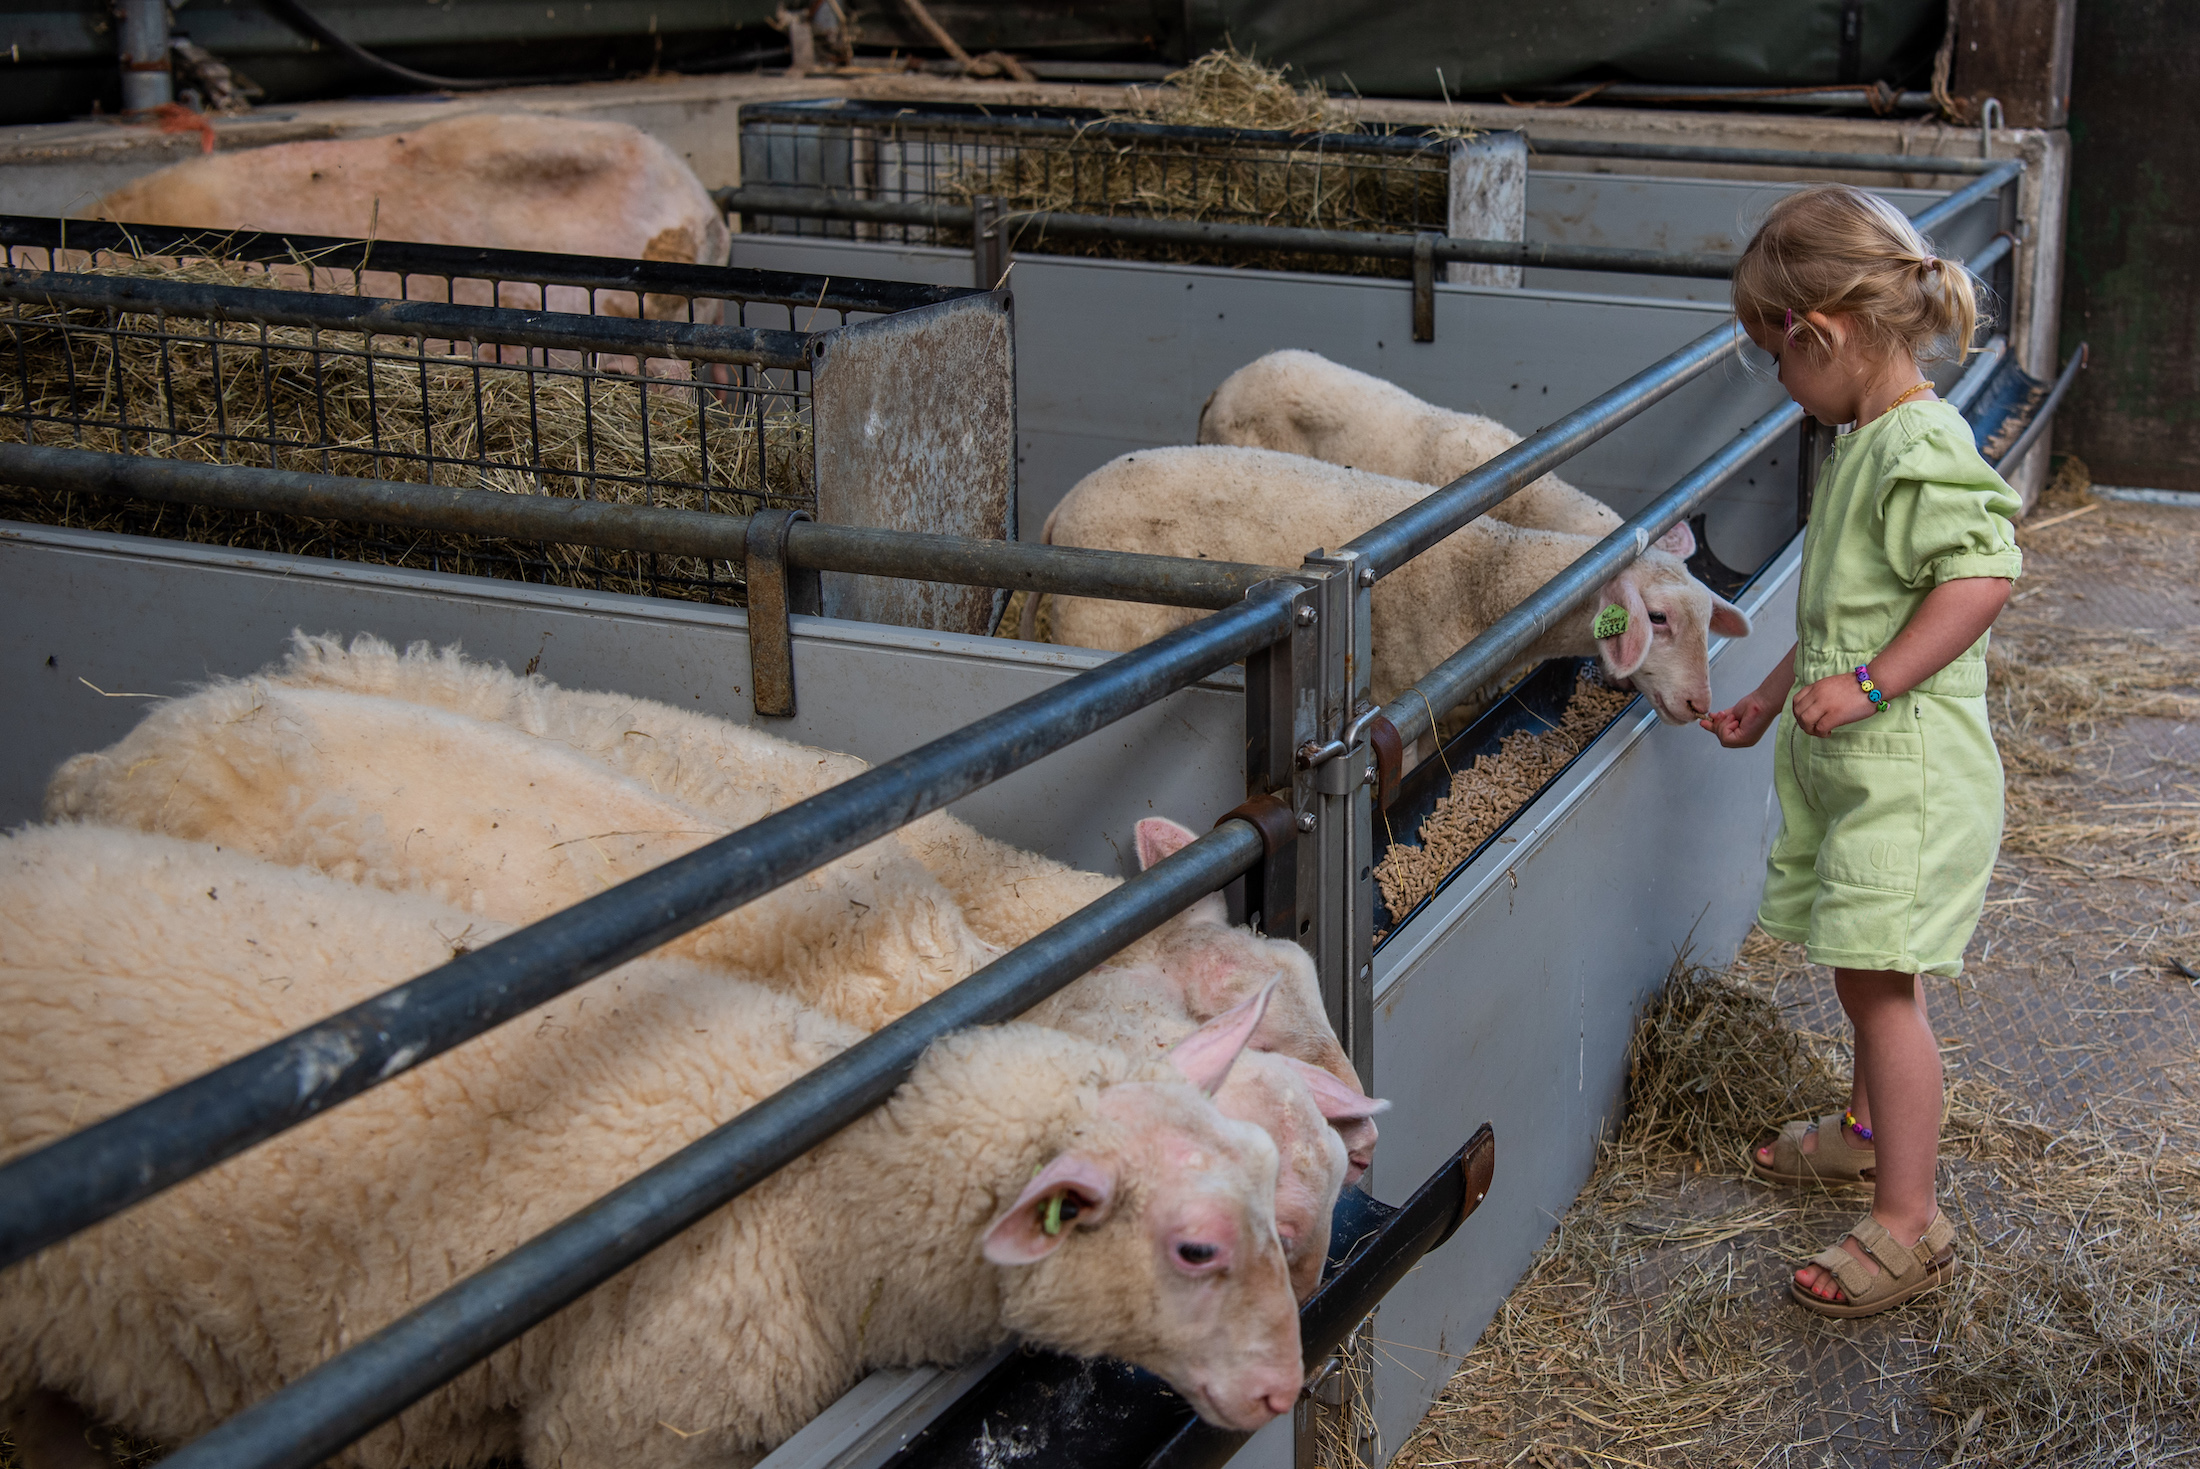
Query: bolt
point(1306, 821)
point(1366, 970)
point(1367, 576)
point(1369, 776)
point(1307, 616)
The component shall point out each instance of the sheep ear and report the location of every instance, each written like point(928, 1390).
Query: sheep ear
point(1206, 1055)
point(1679, 541)
point(1159, 837)
point(1728, 620)
point(1623, 652)
point(1072, 1187)
point(1339, 1103)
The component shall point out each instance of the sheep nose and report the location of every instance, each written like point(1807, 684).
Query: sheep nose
point(1695, 710)
point(1280, 1402)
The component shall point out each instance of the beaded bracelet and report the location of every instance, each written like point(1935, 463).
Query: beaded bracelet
point(1871, 690)
point(1857, 1127)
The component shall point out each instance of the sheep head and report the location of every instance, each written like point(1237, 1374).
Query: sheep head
point(1152, 1238)
point(1664, 650)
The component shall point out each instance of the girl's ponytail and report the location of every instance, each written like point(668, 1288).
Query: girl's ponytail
point(1839, 250)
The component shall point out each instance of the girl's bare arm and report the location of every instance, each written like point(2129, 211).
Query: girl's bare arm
point(1950, 620)
point(1745, 723)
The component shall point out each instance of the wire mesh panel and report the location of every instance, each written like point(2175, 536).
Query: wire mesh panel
point(1089, 163)
point(621, 381)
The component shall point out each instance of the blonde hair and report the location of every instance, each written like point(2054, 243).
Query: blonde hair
point(1842, 251)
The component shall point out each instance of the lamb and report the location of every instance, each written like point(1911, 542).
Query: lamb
point(739, 775)
point(506, 826)
point(509, 181)
point(1302, 403)
point(919, 1234)
point(1261, 505)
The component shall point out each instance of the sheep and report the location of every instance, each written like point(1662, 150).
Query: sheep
point(505, 825)
point(509, 181)
point(921, 1233)
point(740, 775)
point(515, 826)
point(1302, 403)
point(1261, 505)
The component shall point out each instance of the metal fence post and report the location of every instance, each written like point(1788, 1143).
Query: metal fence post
point(1282, 715)
point(1342, 801)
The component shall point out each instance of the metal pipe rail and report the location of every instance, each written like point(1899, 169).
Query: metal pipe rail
point(1406, 535)
point(467, 262)
point(50, 1194)
point(768, 199)
point(2045, 413)
point(349, 1394)
point(743, 346)
point(1401, 142)
point(1126, 576)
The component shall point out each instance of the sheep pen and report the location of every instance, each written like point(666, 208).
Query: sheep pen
point(378, 407)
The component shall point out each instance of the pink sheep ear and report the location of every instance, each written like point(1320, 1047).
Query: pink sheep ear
point(1071, 1189)
point(1206, 1055)
point(1623, 652)
point(1339, 1102)
point(1679, 541)
point(1159, 837)
point(1728, 620)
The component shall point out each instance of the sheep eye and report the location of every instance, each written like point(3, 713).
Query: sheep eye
point(1195, 1254)
point(1657, 619)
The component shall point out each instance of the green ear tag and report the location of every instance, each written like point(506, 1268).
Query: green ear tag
point(1611, 622)
point(1052, 1224)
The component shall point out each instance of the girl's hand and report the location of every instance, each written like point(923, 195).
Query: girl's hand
point(1743, 725)
point(1828, 704)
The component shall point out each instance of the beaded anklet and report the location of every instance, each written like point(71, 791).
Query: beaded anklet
point(1871, 690)
point(1849, 1118)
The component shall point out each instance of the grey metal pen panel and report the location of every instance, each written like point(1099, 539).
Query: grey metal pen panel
point(123, 619)
point(1654, 212)
point(1513, 995)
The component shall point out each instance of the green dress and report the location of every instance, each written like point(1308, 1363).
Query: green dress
point(1890, 825)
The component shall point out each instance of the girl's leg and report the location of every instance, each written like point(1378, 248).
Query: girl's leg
point(1860, 1101)
point(1898, 1071)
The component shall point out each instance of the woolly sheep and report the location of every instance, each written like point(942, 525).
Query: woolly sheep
point(502, 824)
point(711, 1350)
point(1261, 505)
point(513, 826)
point(1302, 403)
point(740, 775)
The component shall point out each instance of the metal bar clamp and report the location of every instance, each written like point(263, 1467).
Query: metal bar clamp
point(776, 592)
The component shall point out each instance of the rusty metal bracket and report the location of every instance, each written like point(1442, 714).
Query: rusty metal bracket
point(776, 592)
point(1382, 738)
point(1424, 287)
point(1273, 816)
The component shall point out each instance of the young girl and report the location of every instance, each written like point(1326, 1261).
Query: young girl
point(1890, 787)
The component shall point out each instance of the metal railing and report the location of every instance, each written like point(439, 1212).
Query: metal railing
point(1293, 631)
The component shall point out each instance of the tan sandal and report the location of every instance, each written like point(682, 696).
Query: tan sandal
point(1905, 1271)
point(1835, 1161)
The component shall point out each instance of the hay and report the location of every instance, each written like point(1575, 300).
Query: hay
point(1300, 185)
point(1486, 794)
point(320, 403)
point(1640, 1333)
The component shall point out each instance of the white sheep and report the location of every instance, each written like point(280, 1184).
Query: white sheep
point(1261, 505)
point(1302, 403)
point(921, 1233)
point(515, 826)
point(740, 775)
point(501, 823)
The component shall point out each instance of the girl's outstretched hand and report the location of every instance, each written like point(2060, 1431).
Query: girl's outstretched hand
point(1828, 704)
point(1743, 725)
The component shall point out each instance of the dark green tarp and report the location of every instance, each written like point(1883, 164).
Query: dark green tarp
point(1396, 48)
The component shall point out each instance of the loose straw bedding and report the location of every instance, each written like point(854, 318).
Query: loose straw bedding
point(322, 405)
